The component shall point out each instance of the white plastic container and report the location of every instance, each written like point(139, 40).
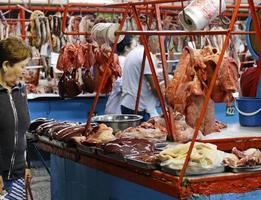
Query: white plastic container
point(199, 13)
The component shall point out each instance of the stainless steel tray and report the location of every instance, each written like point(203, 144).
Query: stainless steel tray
point(86, 149)
point(31, 137)
point(141, 164)
point(245, 169)
point(55, 143)
point(114, 156)
point(163, 145)
point(175, 172)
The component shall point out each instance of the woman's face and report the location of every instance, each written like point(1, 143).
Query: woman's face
point(14, 73)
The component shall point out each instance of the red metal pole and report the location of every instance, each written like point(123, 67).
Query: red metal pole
point(142, 73)
point(155, 79)
point(189, 33)
point(104, 73)
point(172, 128)
point(65, 13)
point(256, 24)
point(135, 3)
point(22, 17)
point(212, 83)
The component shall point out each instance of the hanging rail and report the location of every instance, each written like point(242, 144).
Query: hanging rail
point(221, 32)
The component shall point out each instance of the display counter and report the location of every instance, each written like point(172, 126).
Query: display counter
point(78, 176)
point(75, 175)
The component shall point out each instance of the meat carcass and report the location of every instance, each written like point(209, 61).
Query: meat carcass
point(186, 92)
point(71, 57)
point(113, 72)
point(227, 81)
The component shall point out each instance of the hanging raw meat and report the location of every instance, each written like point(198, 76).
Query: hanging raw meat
point(71, 57)
point(113, 72)
point(35, 28)
point(186, 92)
point(227, 81)
point(69, 86)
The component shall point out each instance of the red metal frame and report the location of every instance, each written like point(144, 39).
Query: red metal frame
point(172, 125)
point(142, 33)
point(152, 67)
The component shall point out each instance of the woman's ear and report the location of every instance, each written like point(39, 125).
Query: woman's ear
point(5, 66)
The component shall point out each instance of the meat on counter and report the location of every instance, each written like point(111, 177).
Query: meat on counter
point(134, 148)
point(248, 158)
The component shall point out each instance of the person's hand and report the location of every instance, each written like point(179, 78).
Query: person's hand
point(1, 185)
point(28, 176)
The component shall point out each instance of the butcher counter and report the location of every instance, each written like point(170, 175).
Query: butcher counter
point(75, 175)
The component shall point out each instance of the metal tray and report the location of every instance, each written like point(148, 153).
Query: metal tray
point(141, 164)
point(163, 145)
point(175, 172)
point(55, 143)
point(30, 137)
point(245, 169)
point(114, 156)
point(86, 149)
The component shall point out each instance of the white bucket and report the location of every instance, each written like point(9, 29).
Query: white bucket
point(199, 13)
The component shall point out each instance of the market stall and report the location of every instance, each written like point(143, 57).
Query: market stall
point(206, 141)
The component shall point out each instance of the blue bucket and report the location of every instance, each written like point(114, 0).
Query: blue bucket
point(249, 109)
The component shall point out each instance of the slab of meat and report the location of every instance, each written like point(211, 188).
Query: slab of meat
point(71, 57)
point(227, 81)
point(248, 158)
point(129, 147)
point(54, 130)
point(193, 110)
point(184, 132)
point(186, 92)
point(69, 85)
point(69, 132)
point(36, 123)
point(99, 135)
point(114, 71)
point(147, 130)
point(45, 127)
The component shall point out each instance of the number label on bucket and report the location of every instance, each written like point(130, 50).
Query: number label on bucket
point(230, 110)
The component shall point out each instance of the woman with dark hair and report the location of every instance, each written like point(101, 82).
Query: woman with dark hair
point(14, 119)
point(113, 103)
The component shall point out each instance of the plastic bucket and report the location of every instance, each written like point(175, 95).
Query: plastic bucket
point(249, 109)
